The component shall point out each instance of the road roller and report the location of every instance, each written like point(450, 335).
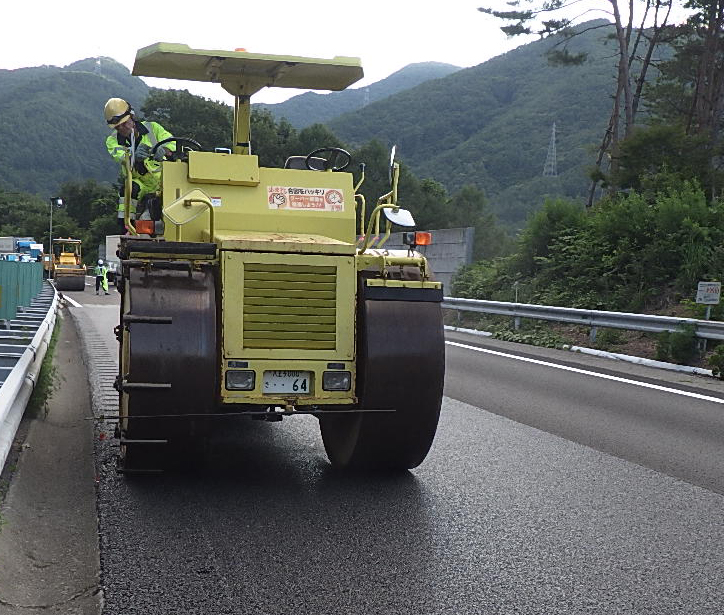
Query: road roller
point(67, 268)
point(268, 293)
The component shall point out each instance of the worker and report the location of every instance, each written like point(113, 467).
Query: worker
point(139, 138)
point(101, 272)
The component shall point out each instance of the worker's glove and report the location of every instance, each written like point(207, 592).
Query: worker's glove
point(160, 154)
point(142, 152)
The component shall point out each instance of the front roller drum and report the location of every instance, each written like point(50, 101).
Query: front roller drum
point(168, 364)
point(401, 367)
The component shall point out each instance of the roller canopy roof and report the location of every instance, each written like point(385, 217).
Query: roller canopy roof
point(243, 73)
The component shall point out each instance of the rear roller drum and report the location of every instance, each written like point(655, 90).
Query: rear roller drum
point(70, 282)
point(401, 366)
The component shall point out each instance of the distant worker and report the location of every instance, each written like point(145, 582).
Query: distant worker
point(101, 272)
point(139, 138)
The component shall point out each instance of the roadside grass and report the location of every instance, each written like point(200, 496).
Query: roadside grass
point(677, 347)
point(47, 379)
point(531, 332)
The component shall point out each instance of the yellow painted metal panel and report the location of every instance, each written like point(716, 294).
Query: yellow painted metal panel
point(244, 219)
point(216, 168)
point(316, 397)
point(401, 283)
point(251, 71)
point(287, 317)
point(283, 242)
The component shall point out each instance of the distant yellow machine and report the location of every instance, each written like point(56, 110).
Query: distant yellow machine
point(267, 292)
point(66, 265)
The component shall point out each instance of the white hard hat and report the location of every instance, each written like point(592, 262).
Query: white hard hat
point(100, 261)
point(117, 111)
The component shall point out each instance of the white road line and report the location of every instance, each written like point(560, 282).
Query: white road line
point(576, 370)
point(72, 302)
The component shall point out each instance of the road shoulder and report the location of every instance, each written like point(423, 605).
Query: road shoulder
point(49, 540)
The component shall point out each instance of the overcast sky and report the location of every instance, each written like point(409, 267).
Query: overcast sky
point(385, 34)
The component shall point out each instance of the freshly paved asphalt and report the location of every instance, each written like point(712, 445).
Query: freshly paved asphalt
point(670, 422)
point(500, 518)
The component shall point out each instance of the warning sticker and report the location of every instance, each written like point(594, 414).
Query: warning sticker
point(316, 199)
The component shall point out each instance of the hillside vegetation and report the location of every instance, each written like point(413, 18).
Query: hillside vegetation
point(313, 108)
point(658, 228)
point(466, 141)
point(490, 125)
point(53, 117)
point(89, 210)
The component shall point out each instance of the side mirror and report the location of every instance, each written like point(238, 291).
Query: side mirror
point(401, 217)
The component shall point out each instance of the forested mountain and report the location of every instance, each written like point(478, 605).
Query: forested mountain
point(52, 126)
point(312, 108)
point(490, 125)
point(54, 117)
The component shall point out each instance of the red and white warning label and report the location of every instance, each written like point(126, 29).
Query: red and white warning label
point(315, 199)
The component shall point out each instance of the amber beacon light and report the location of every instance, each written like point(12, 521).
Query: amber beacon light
point(417, 238)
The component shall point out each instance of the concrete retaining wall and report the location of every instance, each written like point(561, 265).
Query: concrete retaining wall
point(451, 248)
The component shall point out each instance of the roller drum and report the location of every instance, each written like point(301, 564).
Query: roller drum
point(168, 361)
point(401, 367)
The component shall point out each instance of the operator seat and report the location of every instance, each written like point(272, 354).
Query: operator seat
point(298, 162)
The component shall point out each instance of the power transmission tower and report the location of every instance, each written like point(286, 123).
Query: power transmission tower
point(367, 97)
point(97, 69)
point(550, 168)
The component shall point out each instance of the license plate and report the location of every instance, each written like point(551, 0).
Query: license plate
point(287, 381)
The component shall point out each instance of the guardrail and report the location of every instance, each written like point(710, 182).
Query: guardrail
point(22, 348)
point(705, 329)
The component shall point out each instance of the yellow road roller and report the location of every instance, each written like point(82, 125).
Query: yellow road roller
point(268, 292)
point(67, 268)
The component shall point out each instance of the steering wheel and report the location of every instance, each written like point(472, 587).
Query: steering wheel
point(180, 142)
point(334, 154)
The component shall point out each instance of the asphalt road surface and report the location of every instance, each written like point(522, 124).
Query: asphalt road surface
point(596, 496)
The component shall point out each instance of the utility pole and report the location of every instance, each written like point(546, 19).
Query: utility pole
point(550, 168)
point(55, 201)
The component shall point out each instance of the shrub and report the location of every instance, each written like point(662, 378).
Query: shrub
point(605, 338)
point(716, 361)
point(677, 346)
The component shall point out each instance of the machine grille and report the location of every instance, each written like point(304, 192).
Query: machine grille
point(290, 306)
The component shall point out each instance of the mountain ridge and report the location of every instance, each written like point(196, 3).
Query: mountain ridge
point(312, 107)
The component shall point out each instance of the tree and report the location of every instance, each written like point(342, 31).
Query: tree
point(549, 18)
point(708, 92)
point(689, 92)
point(187, 115)
point(273, 142)
point(469, 207)
point(91, 208)
point(648, 152)
point(24, 215)
point(87, 200)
